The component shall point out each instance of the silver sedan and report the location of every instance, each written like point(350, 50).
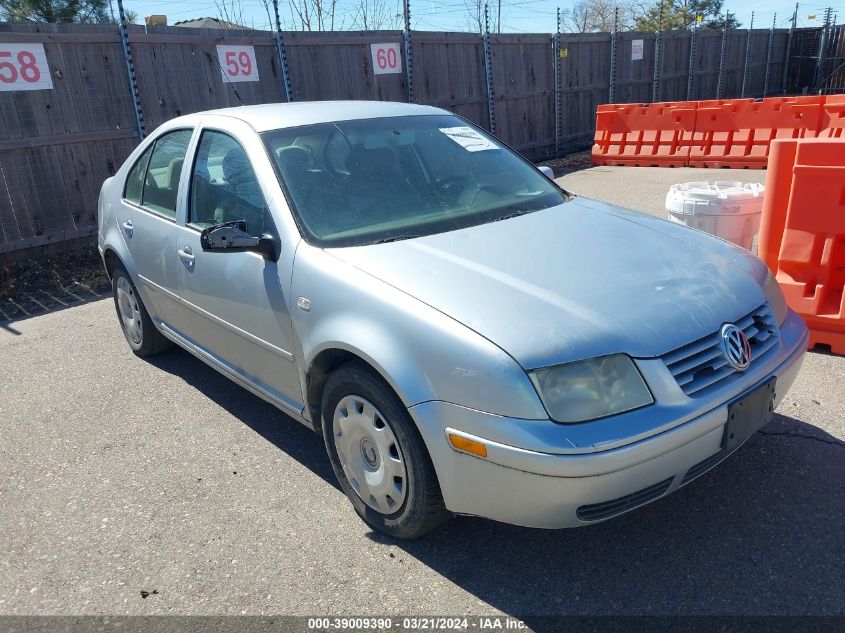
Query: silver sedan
point(467, 337)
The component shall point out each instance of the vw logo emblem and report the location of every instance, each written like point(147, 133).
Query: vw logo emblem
point(735, 347)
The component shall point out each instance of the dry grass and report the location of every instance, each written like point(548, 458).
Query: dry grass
point(53, 273)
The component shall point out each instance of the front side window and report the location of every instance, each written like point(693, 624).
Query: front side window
point(224, 187)
point(375, 180)
point(164, 169)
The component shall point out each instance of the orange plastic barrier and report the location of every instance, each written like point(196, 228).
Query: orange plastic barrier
point(726, 133)
point(646, 135)
point(738, 132)
point(833, 117)
point(802, 234)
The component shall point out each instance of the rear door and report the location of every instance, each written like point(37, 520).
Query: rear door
point(241, 300)
point(147, 219)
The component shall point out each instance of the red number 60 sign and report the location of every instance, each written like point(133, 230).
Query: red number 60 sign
point(24, 67)
point(237, 63)
point(386, 58)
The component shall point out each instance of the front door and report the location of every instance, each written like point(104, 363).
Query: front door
point(242, 298)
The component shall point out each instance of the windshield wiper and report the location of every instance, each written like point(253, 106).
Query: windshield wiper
point(515, 214)
point(395, 238)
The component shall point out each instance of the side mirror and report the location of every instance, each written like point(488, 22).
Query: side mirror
point(231, 237)
point(547, 172)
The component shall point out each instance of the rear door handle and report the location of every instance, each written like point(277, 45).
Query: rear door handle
point(186, 255)
point(127, 226)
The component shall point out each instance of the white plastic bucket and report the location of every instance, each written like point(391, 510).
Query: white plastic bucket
point(730, 210)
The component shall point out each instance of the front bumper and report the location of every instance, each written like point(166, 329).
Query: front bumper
point(529, 480)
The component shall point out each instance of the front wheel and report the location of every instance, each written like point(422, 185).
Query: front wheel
point(378, 455)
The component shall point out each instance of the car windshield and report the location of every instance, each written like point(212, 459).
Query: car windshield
point(377, 180)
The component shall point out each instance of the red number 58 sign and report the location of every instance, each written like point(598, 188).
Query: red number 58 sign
point(24, 67)
point(237, 63)
point(386, 58)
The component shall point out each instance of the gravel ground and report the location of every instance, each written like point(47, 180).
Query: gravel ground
point(134, 487)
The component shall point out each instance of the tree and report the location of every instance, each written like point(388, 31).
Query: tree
point(66, 11)
point(681, 14)
point(313, 15)
point(377, 15)
point(590, 16)
point(475, 15)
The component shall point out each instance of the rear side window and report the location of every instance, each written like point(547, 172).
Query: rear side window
point(154, 180)
point(135, 181)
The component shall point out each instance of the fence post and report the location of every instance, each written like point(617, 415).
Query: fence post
point(488, 70)
point(280, 49)
point(556, 67)
point(822, 49)
point(613, 37)
point(130, 68)
point(720, 87)
point(692, 43)
point(406, 39)
point(769, 52)
point(655, 86)
point(747, 55)
point(792, 26)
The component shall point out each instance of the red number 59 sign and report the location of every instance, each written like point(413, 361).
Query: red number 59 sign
point(24, 67)
point(237, 63)
point(386, 58)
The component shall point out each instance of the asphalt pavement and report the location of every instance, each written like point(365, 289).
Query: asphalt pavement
point(160, 487)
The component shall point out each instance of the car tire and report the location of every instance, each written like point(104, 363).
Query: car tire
point(359, 410)
point(138, 328)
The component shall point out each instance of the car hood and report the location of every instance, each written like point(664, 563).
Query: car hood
point(579, 280)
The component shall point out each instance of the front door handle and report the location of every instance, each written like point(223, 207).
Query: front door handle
point(186, 255)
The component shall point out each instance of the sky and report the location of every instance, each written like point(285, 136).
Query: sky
point(518, 16)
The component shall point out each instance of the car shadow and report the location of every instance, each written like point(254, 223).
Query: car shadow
point(760, 534)
point(281, 430)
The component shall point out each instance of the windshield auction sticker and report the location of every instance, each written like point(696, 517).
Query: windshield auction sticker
point(468, 138)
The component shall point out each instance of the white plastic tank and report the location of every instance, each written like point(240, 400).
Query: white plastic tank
point(730, 210)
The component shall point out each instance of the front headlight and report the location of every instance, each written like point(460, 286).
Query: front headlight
point(591, 389)
point(774, 295)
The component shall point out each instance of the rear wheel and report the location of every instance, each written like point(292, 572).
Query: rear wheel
point(378, 455)
point(138, 328)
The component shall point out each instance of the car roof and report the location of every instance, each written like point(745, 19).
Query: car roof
point(273, 116)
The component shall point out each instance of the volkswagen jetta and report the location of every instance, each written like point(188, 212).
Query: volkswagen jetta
point(466, 336)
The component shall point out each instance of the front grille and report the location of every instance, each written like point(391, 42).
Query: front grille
point(607, 509)
point(700, 365)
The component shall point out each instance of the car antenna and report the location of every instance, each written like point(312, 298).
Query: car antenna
point(235, 90)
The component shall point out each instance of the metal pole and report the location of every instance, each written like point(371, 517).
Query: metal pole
point(720, 88)
point(792, 26)
point(130, 69)
point(655, 84)
point(692, 51)
point(613, 38)
point(280, 49)
point(488, 70)
point(747, 55)
point(822, 49)
point(499, 18)
point(556, 65)
point(769, 52)
point(406, 39)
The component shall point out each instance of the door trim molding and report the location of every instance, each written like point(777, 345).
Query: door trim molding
point(211, 317)
point(294, 409)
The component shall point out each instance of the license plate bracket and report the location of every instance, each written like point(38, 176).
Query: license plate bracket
point(749, 413)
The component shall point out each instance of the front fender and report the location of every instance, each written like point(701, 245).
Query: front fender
point(422, 353)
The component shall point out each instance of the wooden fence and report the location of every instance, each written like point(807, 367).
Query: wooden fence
point(58, 145)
